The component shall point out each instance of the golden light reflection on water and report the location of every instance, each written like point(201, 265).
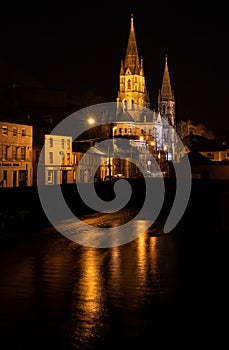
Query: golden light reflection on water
point(89, 300)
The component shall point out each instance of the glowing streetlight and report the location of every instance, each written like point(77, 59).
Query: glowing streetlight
point(91, 121)
point(165, 150)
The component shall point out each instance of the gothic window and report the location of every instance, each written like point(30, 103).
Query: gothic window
point(128, 84)
point(163, 109)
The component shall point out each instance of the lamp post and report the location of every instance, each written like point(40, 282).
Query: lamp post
point(159, 159)
point(166, 153)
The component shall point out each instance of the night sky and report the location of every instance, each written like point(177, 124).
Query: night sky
point(80, 48)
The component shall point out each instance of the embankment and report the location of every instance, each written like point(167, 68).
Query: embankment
point(21, 208)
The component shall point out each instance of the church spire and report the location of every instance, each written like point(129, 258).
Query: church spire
point(132, 59)
point(166, 90)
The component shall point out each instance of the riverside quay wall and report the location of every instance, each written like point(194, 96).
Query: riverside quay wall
point(21, 209)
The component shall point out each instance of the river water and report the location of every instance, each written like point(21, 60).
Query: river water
point(158, 290)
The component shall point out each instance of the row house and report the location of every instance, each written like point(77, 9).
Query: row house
point(16, 165)
point(56, 161)
point(90, 163)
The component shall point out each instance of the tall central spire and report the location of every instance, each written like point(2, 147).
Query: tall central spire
point(132, 59)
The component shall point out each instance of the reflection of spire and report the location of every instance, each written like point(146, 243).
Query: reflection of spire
point(132, 58)
point(166, 90)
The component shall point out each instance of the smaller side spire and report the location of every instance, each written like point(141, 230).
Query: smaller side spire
point(166, 90)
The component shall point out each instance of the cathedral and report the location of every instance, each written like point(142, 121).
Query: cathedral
point(134, 113)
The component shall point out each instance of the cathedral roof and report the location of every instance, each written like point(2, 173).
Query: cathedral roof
point(124, 116)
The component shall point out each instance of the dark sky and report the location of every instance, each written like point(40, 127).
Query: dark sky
point(81, 47)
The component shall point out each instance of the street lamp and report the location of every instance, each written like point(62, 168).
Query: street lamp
point(91, 122)
point(159, 159)
point(166, 154)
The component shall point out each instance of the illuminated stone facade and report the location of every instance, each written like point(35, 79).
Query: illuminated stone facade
point(16, 166)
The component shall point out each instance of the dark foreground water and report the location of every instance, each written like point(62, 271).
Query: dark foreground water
point(158, 290)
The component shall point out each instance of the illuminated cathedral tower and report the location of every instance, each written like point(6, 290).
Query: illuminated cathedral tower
point(132, 87)
point(166, 101)
point(133, 115)
point(166, 108)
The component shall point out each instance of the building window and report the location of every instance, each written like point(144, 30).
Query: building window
point(14, 131)
point(4, 152)
point(50, 176)
point(22, 153)
point(23, 132)
point(4, 130)
point(14, 153)
point(5, 176)
point(68, 158)
point(50, 142)
point(128, 84)
point(68, 143)
point(50, 157)
point(62, 143)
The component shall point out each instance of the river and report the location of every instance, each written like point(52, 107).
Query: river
point(155, 291)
